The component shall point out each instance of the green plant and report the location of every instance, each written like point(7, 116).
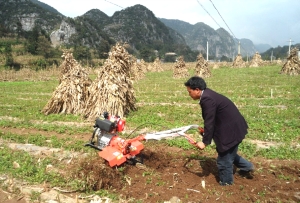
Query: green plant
point(262, 193)
point(180, 142)
point(149, 180)
point(147, 173)
point(35, 196)
point(280, 152)
point(283, 177)
point(40, 140)
point(248, 149)
point(109, 194)
point(160, 183)
point(30, 169)
point(121, 169)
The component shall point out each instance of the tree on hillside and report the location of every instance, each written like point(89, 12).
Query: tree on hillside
point(3, 31)
point(82, 53)
point(44, 47)
point(32, 36)
point(19, 29)
point(103, 49)
point(225, 58)
point(147, 54)
point(9, 61)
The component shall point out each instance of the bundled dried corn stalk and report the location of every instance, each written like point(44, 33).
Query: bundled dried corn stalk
point(150, 68)
point(67, 64)
point(143, 65)
point(292, 66)
point(70, 95)
point(201, 68)
point(238, 62)
point(180, 70)
point(216, 65)
point(137, 70)
point(156, 66)
point(279, 62)
point(256, 60)
point(112, 90)
point(225, 64)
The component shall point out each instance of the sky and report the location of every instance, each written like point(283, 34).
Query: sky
point(273, 22)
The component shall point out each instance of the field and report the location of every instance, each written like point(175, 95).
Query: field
point(58, 165)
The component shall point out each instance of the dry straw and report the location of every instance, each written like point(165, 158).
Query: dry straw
point(238, 62)
point(112, 91)
point(180, 70)
point(156, 66)
point(138, 69)
point(70, 95)
point(292, 66)
point(202, 69)
point(256, 61)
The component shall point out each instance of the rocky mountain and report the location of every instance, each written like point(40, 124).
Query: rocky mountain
point(247, 47)
point(23, 15)
point(220, 42)
point(45, 6)
point(137, 26)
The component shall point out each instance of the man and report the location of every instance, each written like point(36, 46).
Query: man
point(224, 124)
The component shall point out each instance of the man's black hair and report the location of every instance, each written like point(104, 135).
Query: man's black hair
point(196, 82)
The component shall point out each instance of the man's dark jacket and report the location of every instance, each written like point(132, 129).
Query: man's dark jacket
point(222, 121)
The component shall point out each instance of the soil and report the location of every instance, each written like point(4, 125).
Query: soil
point(170, 172)
point(8, 198)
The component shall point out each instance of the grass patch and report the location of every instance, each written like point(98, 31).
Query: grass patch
point(68, 144)
point(30, 168)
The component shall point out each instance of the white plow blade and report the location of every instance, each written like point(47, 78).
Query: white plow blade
point(169, 133)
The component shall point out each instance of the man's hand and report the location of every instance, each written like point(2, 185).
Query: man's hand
point(200, 145)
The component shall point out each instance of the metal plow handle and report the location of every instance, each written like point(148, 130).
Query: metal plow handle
point(169, 133)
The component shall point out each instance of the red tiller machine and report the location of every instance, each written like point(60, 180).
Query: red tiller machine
point(116, 150)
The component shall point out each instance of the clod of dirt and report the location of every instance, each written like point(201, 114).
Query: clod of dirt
point(96, 174)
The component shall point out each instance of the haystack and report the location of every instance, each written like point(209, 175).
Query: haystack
point(137, 70)
point(279, 62)
point(143, 65)
point(238, 62)
point(112, 90)
point(70, 95)
point(292, 66)
point(201, 68)
point(68, 64)
point(180, 70)
point(156, 66)
point(216, 65)
point(256, 60)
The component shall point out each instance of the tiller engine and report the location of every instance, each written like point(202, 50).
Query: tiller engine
point(117, 150)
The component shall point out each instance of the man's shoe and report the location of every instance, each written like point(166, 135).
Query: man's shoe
point(225, 184)
point(246, 174)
